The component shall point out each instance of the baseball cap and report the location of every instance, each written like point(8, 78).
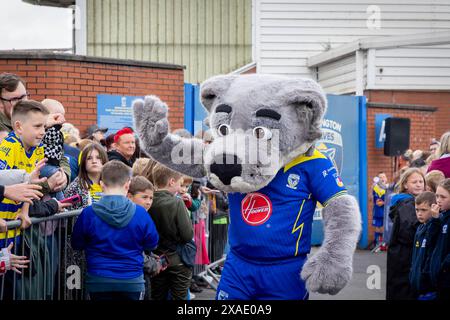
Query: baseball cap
point(94, 128)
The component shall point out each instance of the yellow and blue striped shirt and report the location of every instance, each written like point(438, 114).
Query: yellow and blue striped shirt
point(14, 156)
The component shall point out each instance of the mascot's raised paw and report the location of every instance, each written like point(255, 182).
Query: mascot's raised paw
point(150, 117)
point(325, 273)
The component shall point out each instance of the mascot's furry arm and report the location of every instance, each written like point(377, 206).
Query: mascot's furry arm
point(331, 268)
point(179, 154)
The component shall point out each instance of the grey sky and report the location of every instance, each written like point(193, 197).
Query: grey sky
point(25, 26)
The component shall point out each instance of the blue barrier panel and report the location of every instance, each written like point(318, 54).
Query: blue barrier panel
point(343, 141)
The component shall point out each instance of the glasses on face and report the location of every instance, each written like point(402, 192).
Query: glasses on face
point(16, 99)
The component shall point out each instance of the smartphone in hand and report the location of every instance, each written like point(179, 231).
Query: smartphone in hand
point(73, 199)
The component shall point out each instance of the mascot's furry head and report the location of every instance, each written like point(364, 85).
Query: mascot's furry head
point(259, 124)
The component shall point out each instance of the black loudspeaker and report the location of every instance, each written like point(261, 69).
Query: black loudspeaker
point(397, 136)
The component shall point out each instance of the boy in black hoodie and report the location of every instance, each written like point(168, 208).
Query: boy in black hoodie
point(424, 242)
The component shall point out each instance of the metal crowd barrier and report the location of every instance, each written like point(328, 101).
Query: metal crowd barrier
point(55, 271)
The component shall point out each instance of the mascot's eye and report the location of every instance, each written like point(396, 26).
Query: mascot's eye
point(262, 133)
point(223, 130)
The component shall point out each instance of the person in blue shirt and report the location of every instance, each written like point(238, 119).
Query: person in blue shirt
point(379, 192)
point(114, 232)
point(268, 267)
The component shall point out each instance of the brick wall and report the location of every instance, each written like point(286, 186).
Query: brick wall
point(76, 81)
point(423, 129)
point(438, 99)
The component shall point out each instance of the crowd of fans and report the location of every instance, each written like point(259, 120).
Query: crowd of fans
point(47, 167)
point(144, 227)
point(415, 209)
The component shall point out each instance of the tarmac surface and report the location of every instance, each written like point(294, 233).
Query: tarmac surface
point(368, 281)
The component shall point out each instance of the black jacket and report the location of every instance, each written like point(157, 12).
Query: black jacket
point(440, 259)
point(424, 243)
point(405, 223)
point(41, 209)
point(114, 155)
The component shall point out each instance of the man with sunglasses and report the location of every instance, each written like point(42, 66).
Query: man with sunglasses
point(12, 90)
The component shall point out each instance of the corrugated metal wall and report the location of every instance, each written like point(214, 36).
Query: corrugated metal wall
point(209, 37)
point(288, 32)
point(412, 67)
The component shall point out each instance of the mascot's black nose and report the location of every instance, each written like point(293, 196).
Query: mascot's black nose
point(226, 167)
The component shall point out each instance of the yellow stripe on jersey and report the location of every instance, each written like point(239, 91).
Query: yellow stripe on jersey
point(379, 191)
point(303, 158)
point(11, 234)
point(14, 156)
point(334, 196)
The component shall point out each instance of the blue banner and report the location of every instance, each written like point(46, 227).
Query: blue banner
point(115, 112)
point(340, 142)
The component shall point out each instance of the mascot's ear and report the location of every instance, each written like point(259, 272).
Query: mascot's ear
point(307, 96)
point(215, 87)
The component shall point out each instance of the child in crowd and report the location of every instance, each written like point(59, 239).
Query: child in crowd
point(87, 184)
point(191, 203)
point(175, 228)
point(141, 193)
point(433, 179)
point(53, 141)
point(114, 232)
point(440, 259)
point(403, 214)
point(21, 149)
point(379, 191)
point(423, 246)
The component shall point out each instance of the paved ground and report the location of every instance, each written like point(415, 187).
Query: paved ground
point(357, 289)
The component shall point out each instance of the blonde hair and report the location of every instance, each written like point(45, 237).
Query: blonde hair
point(70, 139)
point(401, 185)
point(161, 175)
point(187, 180)
point(445, 184)
point(433, 178)
point(69, 129)
point(139, 166)
point(83, 143)
point(432, 157)
point(444, 148)
point(417, 154)
point(53, 106)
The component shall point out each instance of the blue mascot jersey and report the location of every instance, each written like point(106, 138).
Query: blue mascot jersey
point(275, 222)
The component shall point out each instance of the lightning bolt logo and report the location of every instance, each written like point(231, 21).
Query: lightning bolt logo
point(299, 228)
